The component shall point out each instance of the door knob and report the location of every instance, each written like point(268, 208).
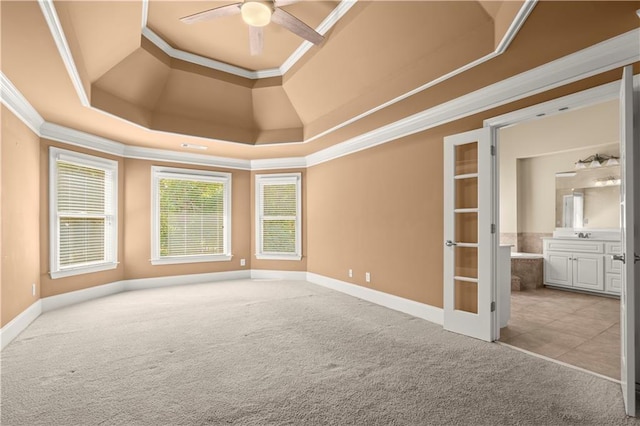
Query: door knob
point(619, 257)
point(450, 243)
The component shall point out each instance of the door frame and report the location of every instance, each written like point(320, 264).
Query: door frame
point(589, 97)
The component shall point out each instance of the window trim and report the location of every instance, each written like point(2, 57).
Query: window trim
point(55, 271)
point(274, 179)
point(159, 172)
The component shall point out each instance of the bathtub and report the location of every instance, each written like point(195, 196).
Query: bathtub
point(526, 271)
point(518, 255)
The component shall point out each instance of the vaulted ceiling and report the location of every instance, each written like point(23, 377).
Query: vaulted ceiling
point(149, 79)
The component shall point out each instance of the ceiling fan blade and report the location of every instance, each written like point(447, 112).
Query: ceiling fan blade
point(281, 3)
point(218, 12)
point(296, 26)
point(255, 40)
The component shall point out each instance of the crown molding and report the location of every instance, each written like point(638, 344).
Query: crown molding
point(74, 137)
point(279, 163)
point(335, 15)
point(516, 24)
point(511, 33)
point(19, 105)
point(340, 10)
point(51, 16)
point(608, 55)
point(605, 56)
point(205, 62)
point(154, 154)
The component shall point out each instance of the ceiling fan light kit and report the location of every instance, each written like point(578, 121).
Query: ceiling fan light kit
point(256, 13)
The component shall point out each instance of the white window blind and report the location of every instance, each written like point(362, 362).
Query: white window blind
point(191, 214)
point(83, 208)
point(278, 216)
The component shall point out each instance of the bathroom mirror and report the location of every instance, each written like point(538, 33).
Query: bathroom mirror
point(588, 198)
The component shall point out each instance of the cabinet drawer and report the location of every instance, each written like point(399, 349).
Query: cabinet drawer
point(613, 248)
point(574, 246)
point(612, 283)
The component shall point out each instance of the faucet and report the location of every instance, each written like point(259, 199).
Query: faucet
point(584, 234)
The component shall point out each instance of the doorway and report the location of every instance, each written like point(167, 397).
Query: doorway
point(574, 316)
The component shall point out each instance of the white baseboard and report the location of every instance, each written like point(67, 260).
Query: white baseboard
point(19, 323)
point(71, 298)
point(416, 309)
point(264, 274)
point(147, 283)
point(22, 321)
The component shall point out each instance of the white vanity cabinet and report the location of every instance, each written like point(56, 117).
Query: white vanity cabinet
point(582, 264)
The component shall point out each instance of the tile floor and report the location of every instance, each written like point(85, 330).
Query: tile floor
point(579, 329)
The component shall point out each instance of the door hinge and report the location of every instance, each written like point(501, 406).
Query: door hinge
point(493, 306)
point(493, 150)
point(493, 228)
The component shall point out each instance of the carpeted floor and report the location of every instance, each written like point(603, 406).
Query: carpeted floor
point(275, 352)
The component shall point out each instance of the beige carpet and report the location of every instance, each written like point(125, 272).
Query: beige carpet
point(273, 352)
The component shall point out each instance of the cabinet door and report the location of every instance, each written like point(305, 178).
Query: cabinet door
point(612, 283)
point(558, 268)
point(588, 271)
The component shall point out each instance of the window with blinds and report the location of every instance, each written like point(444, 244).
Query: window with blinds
point(83, 197)
point(191, 216)
point(278, 220)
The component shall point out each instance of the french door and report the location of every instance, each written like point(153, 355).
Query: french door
point(630, 234)
point(468, 261)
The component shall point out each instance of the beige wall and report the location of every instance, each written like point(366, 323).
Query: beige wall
point(137, 219)
point(280, 265)
point(587, 127)
point(20, 155)
point(51, 287)
point(537, 188)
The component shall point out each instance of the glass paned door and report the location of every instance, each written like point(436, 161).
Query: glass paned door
point(467, 225)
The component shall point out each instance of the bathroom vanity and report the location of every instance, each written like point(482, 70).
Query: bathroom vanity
point(587, 234)
point(582, 264)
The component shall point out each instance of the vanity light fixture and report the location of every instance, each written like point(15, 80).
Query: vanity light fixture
point(597, 160)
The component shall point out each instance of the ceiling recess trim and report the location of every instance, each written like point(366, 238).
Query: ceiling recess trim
point(522, 15)
point(605, 56)
point(340, 10)
point(19, 105)
point(50, 15)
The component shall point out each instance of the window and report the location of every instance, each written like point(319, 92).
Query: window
point(278, 220)
point(83, 204)
point(191, 216)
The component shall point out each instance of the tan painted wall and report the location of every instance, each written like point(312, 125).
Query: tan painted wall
point(281, 265)
point(380, 211)
point(20, 216)
point(137, 219)
point(50, 286)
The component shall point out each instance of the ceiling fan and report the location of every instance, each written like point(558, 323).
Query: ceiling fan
point(257, 14)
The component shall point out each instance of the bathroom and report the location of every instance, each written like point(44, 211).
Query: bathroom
point(564, 304)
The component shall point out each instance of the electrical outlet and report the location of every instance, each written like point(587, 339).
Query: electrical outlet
point(243, 262)
point(350, 273)
point(367, 277)
point(33, 289)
